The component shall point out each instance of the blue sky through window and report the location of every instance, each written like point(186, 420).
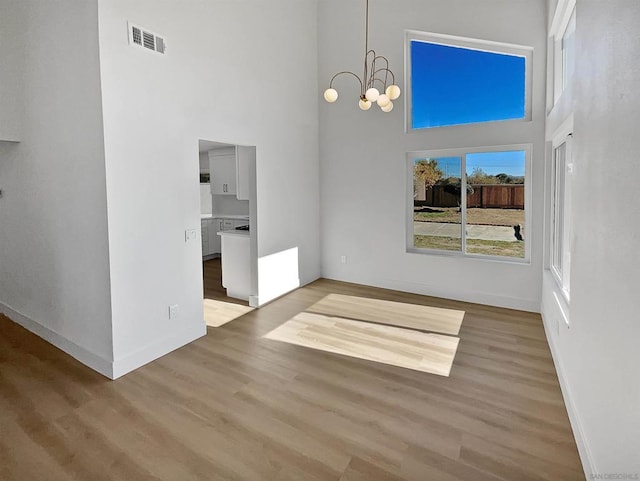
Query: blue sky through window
point(454, 85)
point(492, 163)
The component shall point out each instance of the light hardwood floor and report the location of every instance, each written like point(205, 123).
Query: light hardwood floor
point(422, 351)
point(234, 406)
point(401, 314)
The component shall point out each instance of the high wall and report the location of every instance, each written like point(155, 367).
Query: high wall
point(54, 262)
point(362, 154)
point(242, 72)
point(11, 57)
point(597, 356)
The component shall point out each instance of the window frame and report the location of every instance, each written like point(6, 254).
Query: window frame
point(471, 44)
point(565, 10)
point(562, 275)
point(463, 152)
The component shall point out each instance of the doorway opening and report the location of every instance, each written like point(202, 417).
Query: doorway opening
point(227, 216)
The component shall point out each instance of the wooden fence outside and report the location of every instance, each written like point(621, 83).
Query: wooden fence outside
point(496, 196)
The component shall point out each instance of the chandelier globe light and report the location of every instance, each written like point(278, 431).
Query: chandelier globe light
point(376, 74)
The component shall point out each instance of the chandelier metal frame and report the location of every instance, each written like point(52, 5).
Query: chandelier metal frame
point(373, 74)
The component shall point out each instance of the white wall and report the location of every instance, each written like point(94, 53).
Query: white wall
point(230, 205)
point(362, 154)
point(54, 267)
point(598, 357)
point(11, 58)
point(241, 72)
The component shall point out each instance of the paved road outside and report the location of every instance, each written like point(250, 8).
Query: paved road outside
point(443, 229)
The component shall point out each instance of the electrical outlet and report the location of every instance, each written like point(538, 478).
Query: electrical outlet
point(173, 311)
point(190, 234)
point(343, 259)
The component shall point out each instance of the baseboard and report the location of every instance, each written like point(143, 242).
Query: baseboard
point(576, 425)
point(86, 357)
point(459, 295)
point(156, 350)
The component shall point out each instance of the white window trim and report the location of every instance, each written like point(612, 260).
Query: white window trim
point(462, 152)
point(559, 24)
point(472, 44)
point(564, 134)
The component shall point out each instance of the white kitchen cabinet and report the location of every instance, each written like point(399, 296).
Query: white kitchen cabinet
point(204, 236)
point(214, 238)
point(211, 242)
point(223, 171)
point(230, 170)
point(236, 272)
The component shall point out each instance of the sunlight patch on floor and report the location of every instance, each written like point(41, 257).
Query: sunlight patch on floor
point(418, 337)
point(218, 313)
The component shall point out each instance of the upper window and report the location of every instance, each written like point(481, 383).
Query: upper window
point(454, 80)
point(568, 47)
point(562, 47)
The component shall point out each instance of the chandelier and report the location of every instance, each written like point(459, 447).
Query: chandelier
point(376, 74)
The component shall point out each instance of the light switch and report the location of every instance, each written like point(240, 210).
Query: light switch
point(190, 234)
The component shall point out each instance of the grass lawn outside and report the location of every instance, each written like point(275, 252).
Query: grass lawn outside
point(474, 246)
point(475, 215)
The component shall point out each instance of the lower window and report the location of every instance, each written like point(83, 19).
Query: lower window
point(470, 202)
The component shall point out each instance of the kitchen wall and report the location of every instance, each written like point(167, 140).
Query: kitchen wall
point(597, 355)
point(230, 205)
point(244, 72)
point(54, 260)
point(362, 154)
point(204, 162)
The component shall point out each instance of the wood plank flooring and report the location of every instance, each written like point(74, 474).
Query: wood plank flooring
point(217, 313)
point(403, 314)
point(218, 308)
point(422, 351)
point(234, 406)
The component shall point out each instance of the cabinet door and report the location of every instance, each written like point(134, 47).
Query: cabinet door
point(223, 173)
point(245, 158)
point(204, 236)
point(214, 238)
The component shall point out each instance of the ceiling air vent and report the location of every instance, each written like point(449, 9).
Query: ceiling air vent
point(144, 38)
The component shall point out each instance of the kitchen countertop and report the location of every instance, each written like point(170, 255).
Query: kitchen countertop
point(224, 216)
point(234, 233)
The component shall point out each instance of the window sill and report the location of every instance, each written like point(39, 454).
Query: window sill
point(461, 255)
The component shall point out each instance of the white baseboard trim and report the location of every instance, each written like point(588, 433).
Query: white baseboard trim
point(459, 295)
point(106, 367)
point(156, 350)
point(576, 425)
point(86, 357)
